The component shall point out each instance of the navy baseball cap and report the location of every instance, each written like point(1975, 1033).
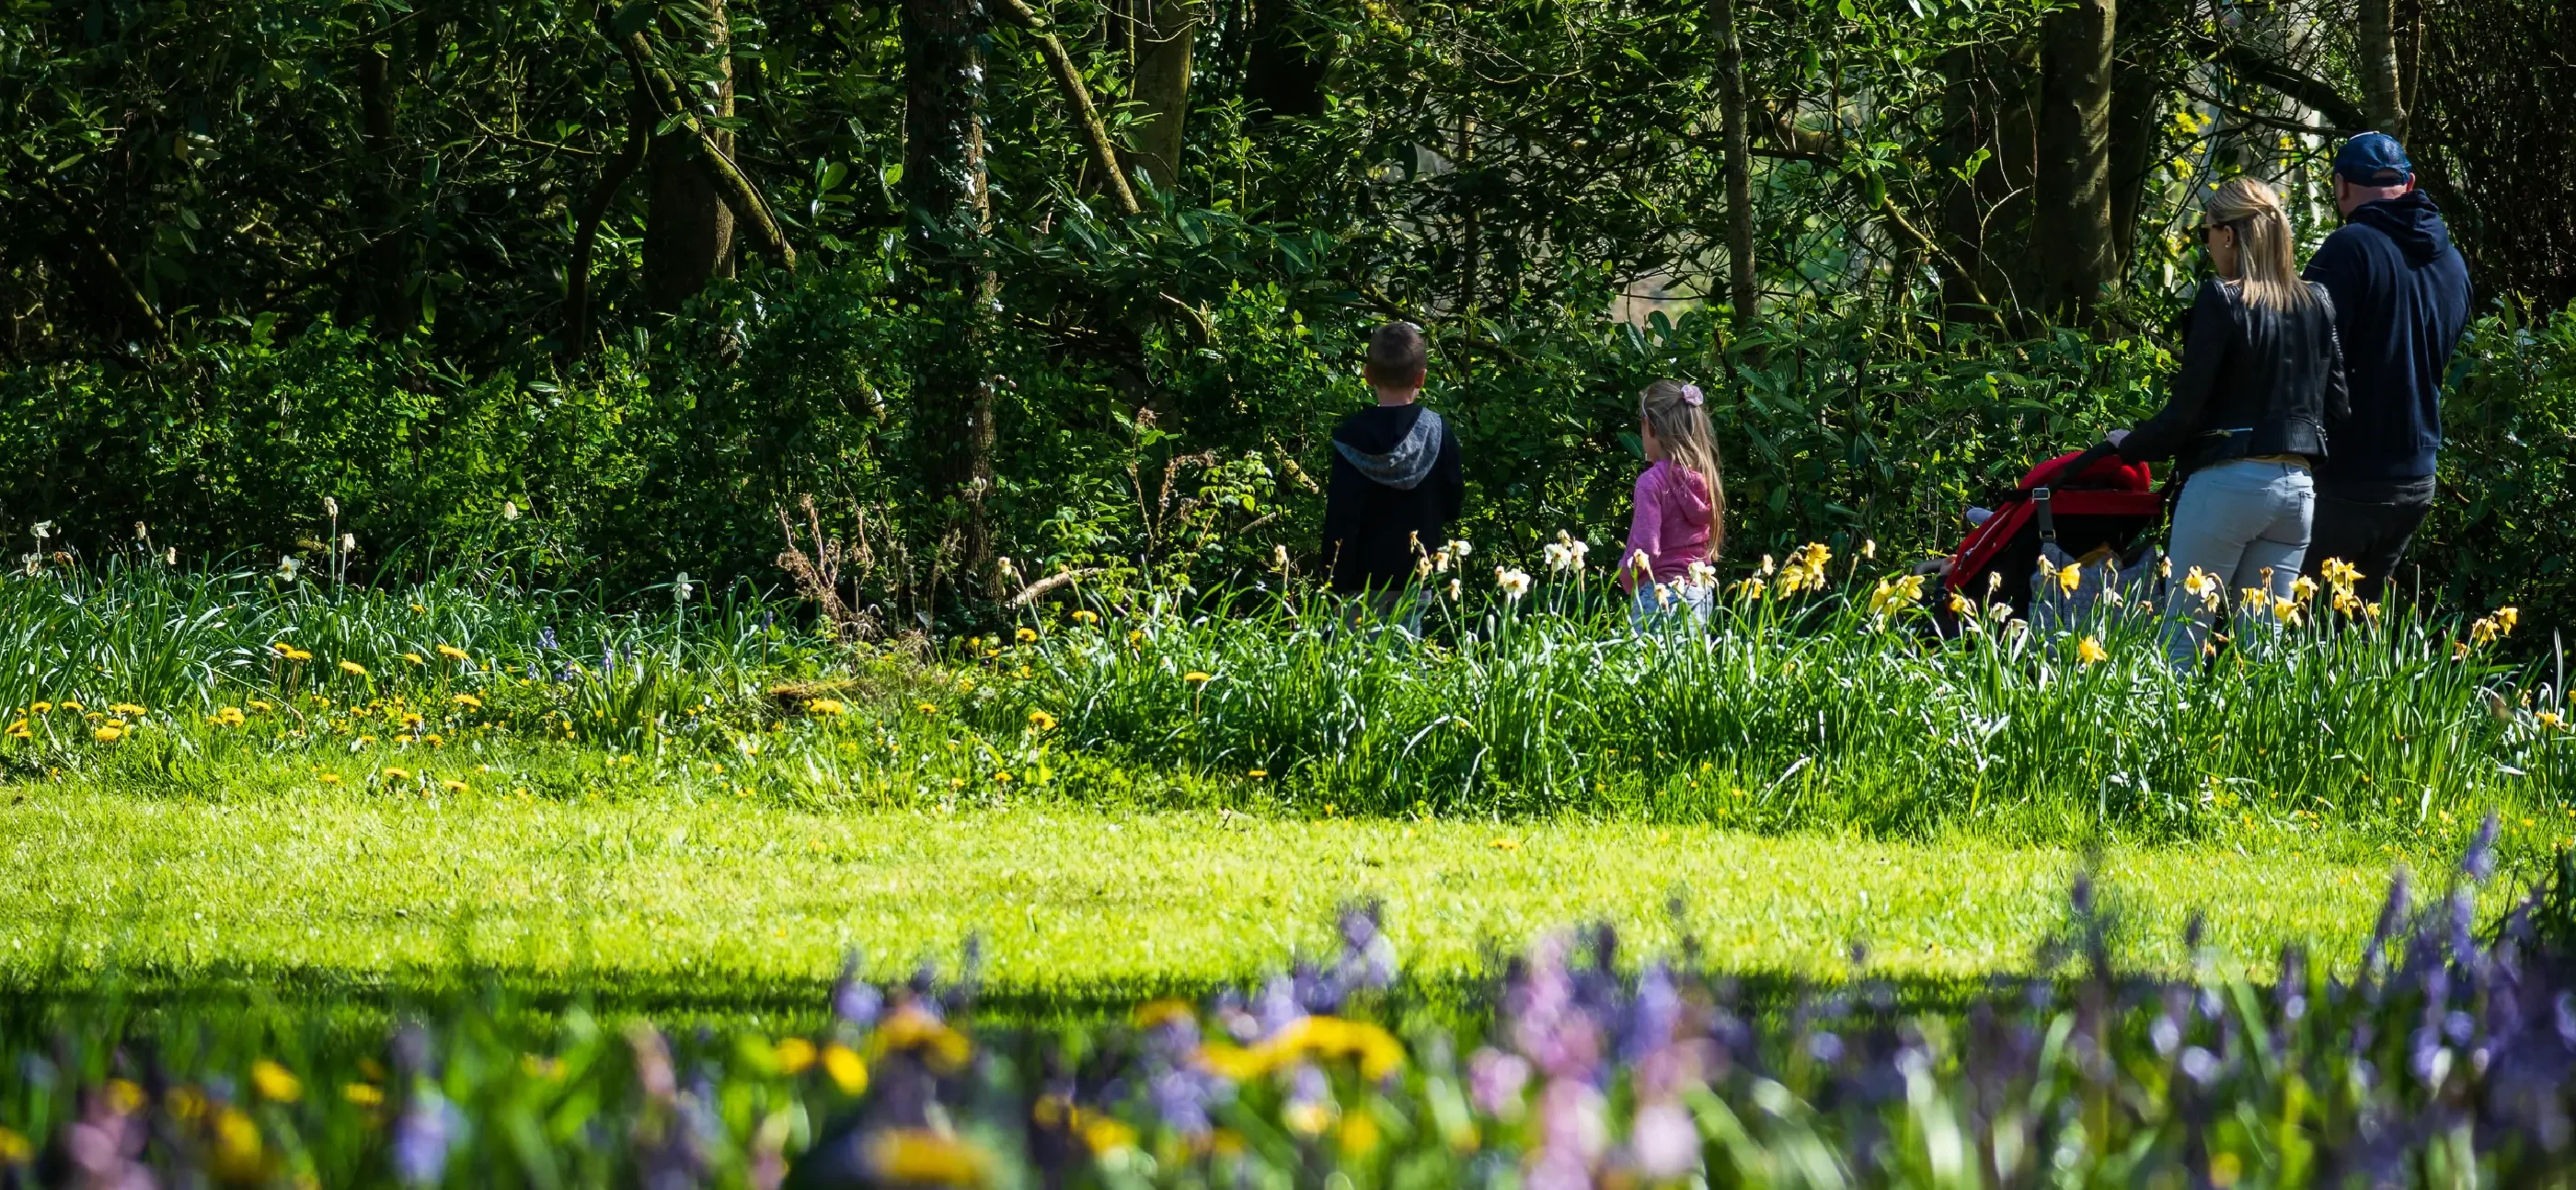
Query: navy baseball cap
point(2373, 159)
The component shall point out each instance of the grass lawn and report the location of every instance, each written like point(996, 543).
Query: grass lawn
point(674, 899)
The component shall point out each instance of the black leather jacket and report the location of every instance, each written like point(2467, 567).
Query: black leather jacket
point(2254, 381)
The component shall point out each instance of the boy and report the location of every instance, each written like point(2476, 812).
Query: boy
point(1396, 482)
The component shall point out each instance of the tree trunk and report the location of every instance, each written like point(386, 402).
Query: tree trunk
point(2074, 184)
point(944, 183)
point(1285, 74)
point(2375, 47)
point(688, 229)
point(1742, 289)
point(1163, 86)
point(585, 236)
point(2138, 90)
point(383, 294)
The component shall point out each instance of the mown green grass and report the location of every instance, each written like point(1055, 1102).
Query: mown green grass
point(716, 899)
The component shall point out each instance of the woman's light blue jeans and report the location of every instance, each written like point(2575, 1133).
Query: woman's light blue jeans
point(2244, 522)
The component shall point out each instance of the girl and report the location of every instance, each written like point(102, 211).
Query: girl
point(2261, 373)
point(1676, 530)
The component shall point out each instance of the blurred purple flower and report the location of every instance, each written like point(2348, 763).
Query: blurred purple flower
point(423, 1134)
point(1496, 1080)
point(1664, 1141)
point(2478, 862)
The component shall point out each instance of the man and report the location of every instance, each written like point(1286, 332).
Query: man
point(1396, 482)
point(2401, 296)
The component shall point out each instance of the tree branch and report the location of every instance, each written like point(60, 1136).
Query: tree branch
point(585, 236)
point(1068, 78)
point(102, 257)
point(2263, 71)
point(749, 207)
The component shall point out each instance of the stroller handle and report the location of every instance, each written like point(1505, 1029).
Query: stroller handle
point(2082, 463)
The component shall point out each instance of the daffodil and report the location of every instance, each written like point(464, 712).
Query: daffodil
point(1514, 583)
point(2288, 612)
point(2303, 589)
point(2070, 579)
point(794, 1055)
point(2090, 651)
point(2339, 572)
point(2484, 631)
point(2202, 585)
point(2506, 618)
point(845, 1068)
point(1961, 606)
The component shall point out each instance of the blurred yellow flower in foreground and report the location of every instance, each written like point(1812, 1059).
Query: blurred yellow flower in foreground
point(847, 1071)
point(272, 1081)
point(795, 1055)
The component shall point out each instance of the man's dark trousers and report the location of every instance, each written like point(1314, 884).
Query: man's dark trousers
point(2367, 523)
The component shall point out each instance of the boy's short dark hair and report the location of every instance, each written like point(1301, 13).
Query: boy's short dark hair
point(1397, 355)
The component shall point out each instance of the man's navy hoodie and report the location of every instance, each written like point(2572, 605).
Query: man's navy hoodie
point(2401, 296)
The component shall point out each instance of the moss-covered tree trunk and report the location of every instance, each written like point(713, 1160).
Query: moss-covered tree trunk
point(1163, 85)
point(944, 183)
point(688, 229)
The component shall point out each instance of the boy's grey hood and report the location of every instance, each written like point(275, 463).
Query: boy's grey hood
point(1406, 464)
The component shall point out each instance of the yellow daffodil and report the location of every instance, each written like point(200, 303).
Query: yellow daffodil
point(1892, 596)
point(2288, 612)
point(2506, 618)
point(2070, 579)
point(2339, 572)
point(2091, 652)
point(2303, 588)
point(2484, 631)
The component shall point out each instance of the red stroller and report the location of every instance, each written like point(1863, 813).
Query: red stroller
point(2081, 502)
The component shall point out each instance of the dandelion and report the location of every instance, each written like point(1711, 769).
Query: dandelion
point(108, 733)
point(926, 708)
point(1514, 583)
point(414, 658)
point(353, 669)
point(363, 1094)
point(1041, 721)
point(328, 778)
point(1085, 616)
point(1197, 677)
point(1026, 636)
point(19, 731)
point(1506, 844)
point(1257, 774)
point(467, 701)
point(272, 1081)
point(453, 653)
point(126, 708)
point(452, 786)
point(226, 717)
point(396, 774)
point(824, 707)
point(2090, 651)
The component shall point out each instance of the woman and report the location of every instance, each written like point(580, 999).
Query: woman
point(2261, 373)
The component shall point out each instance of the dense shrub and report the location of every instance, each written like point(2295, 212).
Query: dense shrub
point(676, 451)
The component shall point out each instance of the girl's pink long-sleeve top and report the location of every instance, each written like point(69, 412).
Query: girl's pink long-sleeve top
point(1672, 523)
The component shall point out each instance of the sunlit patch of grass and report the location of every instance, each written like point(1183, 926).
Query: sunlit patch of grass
point(628, 885)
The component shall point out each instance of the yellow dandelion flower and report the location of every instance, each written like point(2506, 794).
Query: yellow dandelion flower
point(824, 707)
point(453, 653)
point(847, 1070)
point(226, 717)
point(452, 786)
point(127, 709)
point(363, 1094)
point(108, 734)
point(353, 669)
point(1085, 616)
point(272, 1081)
point(415, 659)
point(1025, 635)
point(1258, 774)
point(40, 708)
point(1506, 844)
point(1041, 721)
point(467, 701)
point(328, 778)
point(1198, 677)
point(395, 774)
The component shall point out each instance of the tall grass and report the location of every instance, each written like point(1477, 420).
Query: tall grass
point(1811, 709)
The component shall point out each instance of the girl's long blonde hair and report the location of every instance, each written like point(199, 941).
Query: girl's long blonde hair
point(2267, 274)
point(1674, 410)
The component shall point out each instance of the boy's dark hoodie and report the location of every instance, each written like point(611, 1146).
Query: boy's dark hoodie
point(1395, 479)
point(2401, 297)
